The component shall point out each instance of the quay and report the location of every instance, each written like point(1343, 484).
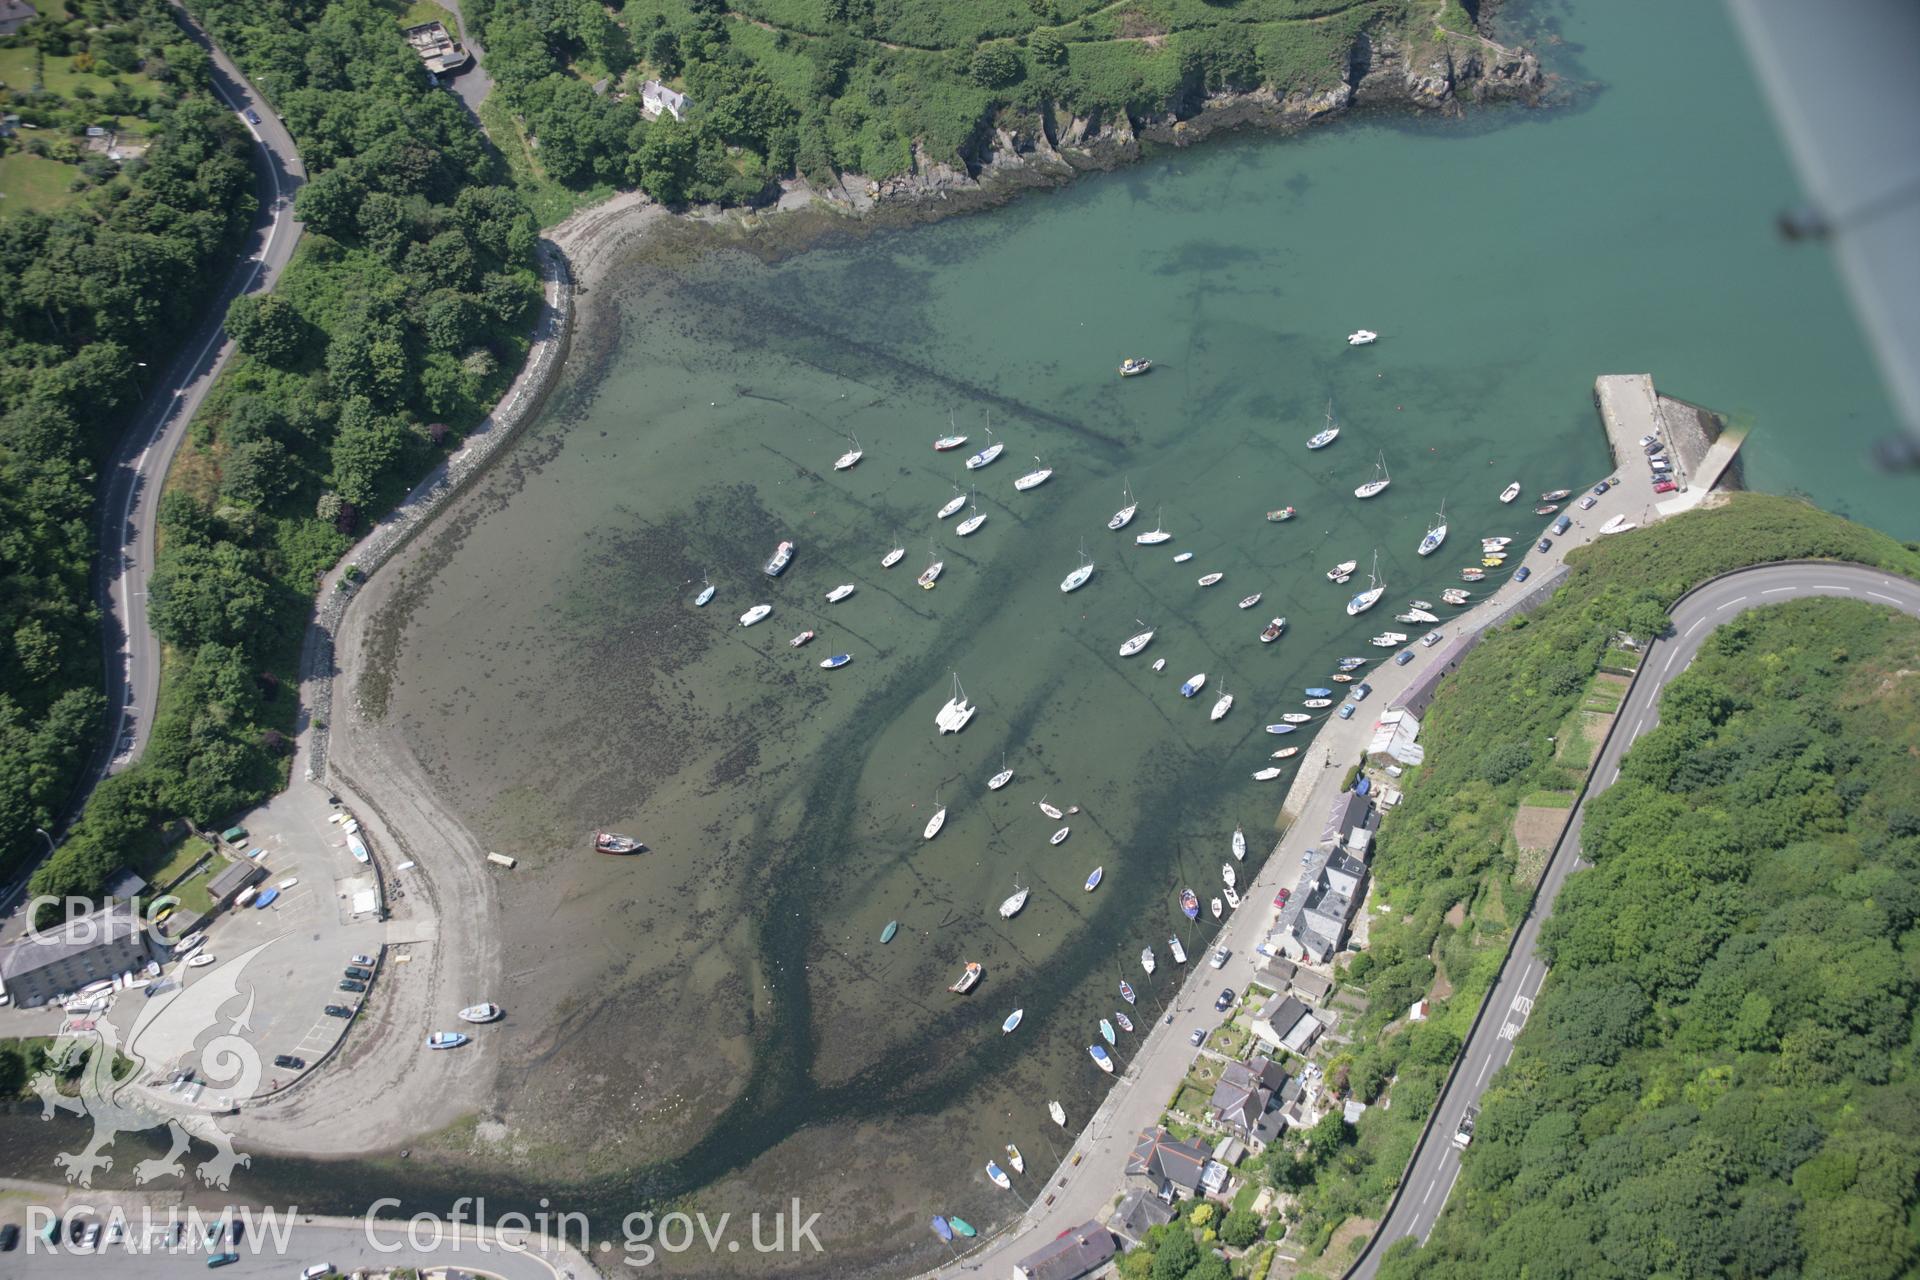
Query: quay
point(1701, 446)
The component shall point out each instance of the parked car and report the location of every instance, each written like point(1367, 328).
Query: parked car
point(85, 1234)
point(1665, 486)
point(1586, 503)
point(349, 984)
point(1224, 1001)
point(357, 971)
point(1280, 899)
point(318, 1271)
point(9, 1238)
point(1545, 544)
point(1199, 1036)
point(222, 1259)
point(1522, 573)
point(1360, 691)
point(288, 1061)
point(1403, 657)
point(1648, 439)
point(339, 1011)
point(1346, 711)
point(1220, 955)
point(1432, 638)
point(1562, 525)
point(1601, 488)
point(365, 961)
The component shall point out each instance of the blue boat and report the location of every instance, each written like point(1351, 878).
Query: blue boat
point(1126, 991)
point(1282, 728)
point(1190, 903)
point(999, 1176)
point(1101, 1057)
point(266, 899)
point(886, 934)
point(941, 1229)
point(837, 660)
point(1192, 685)
point(1106, 1031)
point(1093, 881)
point(1319, 693)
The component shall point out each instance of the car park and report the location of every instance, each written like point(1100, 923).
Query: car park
point(289, 1062)
point(1199, 1036)
point(1601, 488)
point(1224, 1001)
point(1665, 486)
point(355, 971)
point(1522, 574)
point(1220, 955)
point(1545, 544)
point(1346, 711)
point(339, 1011)
point(1586, 503)
point(349, 984)
point(1403, 657)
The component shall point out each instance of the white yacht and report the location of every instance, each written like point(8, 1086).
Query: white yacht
point(1328, 435)
point(1035, 478)
point(1135, 643)
point(893, 557)
point(1371, 596)
point(1436, 535)
point(971, 523)
point(1210, 579)
point(758, 613)
point(1220, 708)
point(1078, 578)
point(1249, 601)
point(953, 504)
point(938, 820)
point(1011, 907)
point(1155, 535)
point(1378, 484)
point(839, 593)
point(931, 574)
point(1001, 778)
point(987, 454)
point(853, 454)
point(954, 715)
point(1124, 516)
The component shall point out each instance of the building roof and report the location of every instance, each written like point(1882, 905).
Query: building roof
point(15, 14)
point(1349, 811)
point(1140, 1211)
point(1311, 985)
point(37, 950)
point(1271, 1126)
point(1279, 968)
point(1239, 1099)
point(236, 876)
point(1282, 1013)
point(1074, 1253)
point(1164, 1158)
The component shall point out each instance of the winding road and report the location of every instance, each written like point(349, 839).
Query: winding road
point(130, 495)
point(1436, 1163)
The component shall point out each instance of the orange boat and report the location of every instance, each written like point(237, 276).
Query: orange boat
point(967, 979)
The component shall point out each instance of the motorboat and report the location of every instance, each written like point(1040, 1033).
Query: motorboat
point(1327, 435)
point(999, 1176)
point(1101, 1057)
point(200, 961)
point(1122, 1021)
point(1124, 516)
point(800, 639)
point(483, 1012)
point(1344, 677)
point(1183, 557)
point(1126, 991)
point(937, 821)
point(953, 504)
point(1059, 835)
point(706, 593)
point(1352, 664)
point(1414, 604)
point(758, 613)
point(1456, 596)
point(608, 842)
point(1190, 904)
point(782, 557)
point(1277, 729)
point(1193, 684)
point(1284, 513)
point(1078, 578)
point(1494, 544)
point(1106, 1032)
point(1213, 905)
point(1416, 615)
point(840, 593)
point(837, 661)
point(1342, 571)
point(1035, 478)
point(1284, 753)
point(1013, 1020)
point(1378, 484)
point(1247, 602)
point(1134, 366)
point(1317, 703)
point(1147, 961)
point(1556, 495)
point(1471, 574)
point(1221, 707)
point(1362, 337)
point(971, 524)
point(1227, 875)
point(1093, 879)
point(1318, 691)
point(1295, 717)
point(1001, 778)
point(1232, 896)
point(968, 978)
point(446, 1040)
point(1210, 579)
point(1546, 508)
point(1135, 643)
point(1492, 562)
point(1265, 775)
point(854, 453)
point(953, 717)
point(1011, 906)
point(1179, 952)
point(188, 944)
point(1156, 535)
point(987, 454)
point(1511, 492)
point(1058, 1113)
point(1052, 811)
point(1014, 1158)
point(1388, 639)
point(1239, 843)
point(1436, 535)
point(1371, 596)
point(1159, 664)
point(1273, 630)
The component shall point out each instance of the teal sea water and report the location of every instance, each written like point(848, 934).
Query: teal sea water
point(726, 1023)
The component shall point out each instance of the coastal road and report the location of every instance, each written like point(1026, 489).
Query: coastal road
point(1436, 1165)
point(130, 497)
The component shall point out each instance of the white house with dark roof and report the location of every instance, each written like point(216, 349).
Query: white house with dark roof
point(60, 961)
point(656, 98)
point(1285, 1022)
point(1166, 1166)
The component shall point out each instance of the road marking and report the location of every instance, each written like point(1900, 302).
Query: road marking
point(1774, 591)
point(1825, 586)
point(1690, 630)
point(1523, 1004)
point(1729, 604)
point(1877, 596)
point(1483, 1072)
point(1509, 1030)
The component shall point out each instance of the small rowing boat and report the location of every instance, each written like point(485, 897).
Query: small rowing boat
point(1013, 1020)
point(1058, 1113)
point(1106, 1032)
point(1093, 880)
point(800, 639)
point(1211, 578)
point(1285, 753)
point(1265, 775)
point(836, 661)
point(1059, 835)
point(1511, 492)
point(886, 934)
point(1190, 904)
point(1126, 991)
point(1250, 601)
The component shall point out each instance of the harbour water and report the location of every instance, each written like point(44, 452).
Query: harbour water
point(725, 1024)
